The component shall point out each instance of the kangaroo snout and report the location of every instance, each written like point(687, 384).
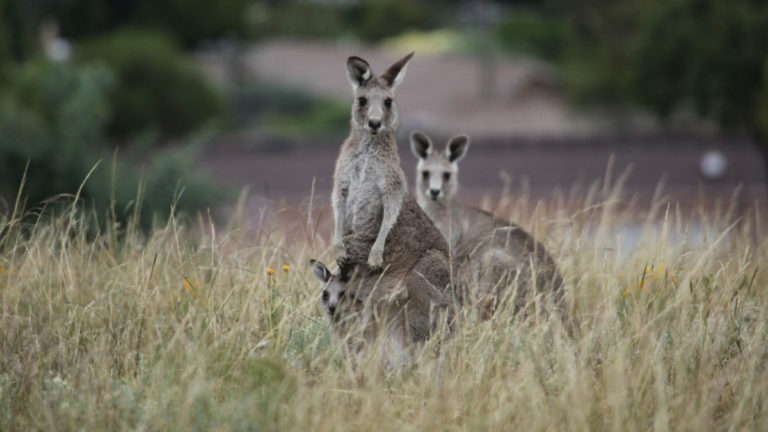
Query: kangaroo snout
point(374, 125)
point(434, 193)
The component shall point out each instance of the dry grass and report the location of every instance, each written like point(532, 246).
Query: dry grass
point(184, 329)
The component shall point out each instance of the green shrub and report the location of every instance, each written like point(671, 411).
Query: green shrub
point(383, 18)
point(762, 107)
point(308, 19)
point(369, 20)
point(52, 124)
point(257, 99)
point(187, 21)
point(532, 32)
point(157, 88)
point(286, 112)
point(708, 54)
point(51, 118)
point(169, 177)
point(192, 21)
point(324, 118)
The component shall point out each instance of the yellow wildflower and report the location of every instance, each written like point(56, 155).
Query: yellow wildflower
point(270, 271)
point(187, 284)
point(648, 270)
point(286, 268)
point(190, 287)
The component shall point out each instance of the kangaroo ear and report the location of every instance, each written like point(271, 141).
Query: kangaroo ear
point(358, 71)
point(457, 148)
point(346, 271)
point(321, 271)
point(421, 145)
point(396, 72)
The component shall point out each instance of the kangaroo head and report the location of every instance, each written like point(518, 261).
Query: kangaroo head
point(437, 172)
point(334, 289)
point(374, 110)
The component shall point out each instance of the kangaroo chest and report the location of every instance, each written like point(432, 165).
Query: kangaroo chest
point(364, 207)
point(452, 230)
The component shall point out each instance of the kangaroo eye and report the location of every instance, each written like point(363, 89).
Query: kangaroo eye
point(388, 102)
point(341, 294)
point(325, 296)
point(446, 176)
point(425, 175)
point(362, 101)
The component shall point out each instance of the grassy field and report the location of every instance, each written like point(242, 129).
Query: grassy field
point(191, 327)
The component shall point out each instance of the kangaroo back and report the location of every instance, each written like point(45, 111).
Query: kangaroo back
point(501, 262)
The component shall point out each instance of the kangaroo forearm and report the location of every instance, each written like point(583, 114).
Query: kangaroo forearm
point(338, 231)
point(392, 209)
point(339, 209)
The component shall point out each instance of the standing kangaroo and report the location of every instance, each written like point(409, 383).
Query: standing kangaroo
point(491, 255)
point(381, 235)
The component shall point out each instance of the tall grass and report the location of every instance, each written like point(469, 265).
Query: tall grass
point(186, 328)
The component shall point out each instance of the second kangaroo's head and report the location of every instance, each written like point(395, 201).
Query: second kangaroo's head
point(374, 110)
point(437, 172)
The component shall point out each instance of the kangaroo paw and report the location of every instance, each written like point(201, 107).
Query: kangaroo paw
point(375, 259)
point(340, 251)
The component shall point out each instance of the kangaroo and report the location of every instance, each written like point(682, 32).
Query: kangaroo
point(357, 316)
point(342, 310)
point(490, 255)
point(380, 232)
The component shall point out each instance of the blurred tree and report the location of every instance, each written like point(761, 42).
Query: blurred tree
point(19, 22)
point(708, 55)
point(382, 18)
point(534, 31)
point(83, 18)
point(50, 118)
point(188, 21)
point(5, 37)
point(53, 119)
point(297, 18)
point(370, 20)
point(600, 57)
point(192, 21)
point(157, 88)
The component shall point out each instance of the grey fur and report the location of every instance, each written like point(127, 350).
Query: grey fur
point(397, 257)
point(342, 308)
point(401, 307)
point(495, 259)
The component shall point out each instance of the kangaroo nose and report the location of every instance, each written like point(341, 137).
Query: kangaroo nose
point(332, 310)
point(374, 124)
point(434, 193)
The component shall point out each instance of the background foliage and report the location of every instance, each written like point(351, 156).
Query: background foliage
point(701, 57)
point(52, 126)
point(157, 88)
point(708, 57)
